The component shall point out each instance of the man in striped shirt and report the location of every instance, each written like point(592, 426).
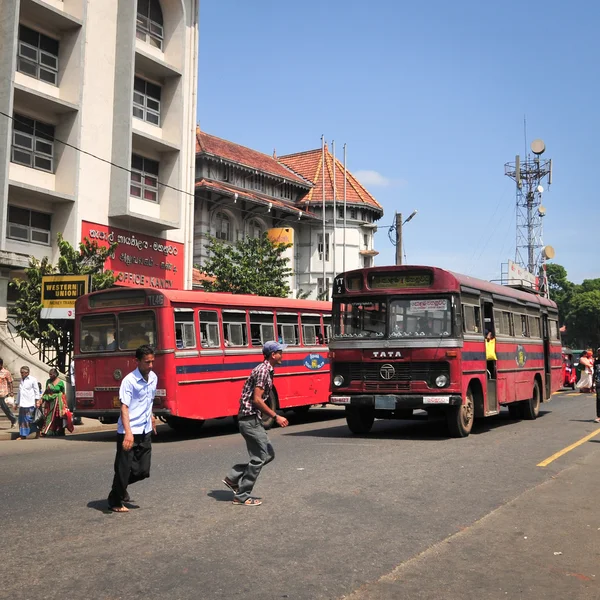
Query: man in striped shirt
point(242, 477)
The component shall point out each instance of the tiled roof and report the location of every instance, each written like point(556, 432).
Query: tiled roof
point(252, 159)
point(198, 277)
point(309, 165)
point(217, 186)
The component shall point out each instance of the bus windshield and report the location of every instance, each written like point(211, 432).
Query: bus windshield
point(102, 333)
point(412, 317)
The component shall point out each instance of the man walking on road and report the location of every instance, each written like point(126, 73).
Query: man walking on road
point(134, 431)
point(29, 397)
point(6, 389)
point(243, 476)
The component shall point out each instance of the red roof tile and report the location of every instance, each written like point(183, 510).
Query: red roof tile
point(212, 145)
point(309, 165)
point(217, 186)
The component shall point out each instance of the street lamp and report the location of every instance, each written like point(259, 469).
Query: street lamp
point(399, 223)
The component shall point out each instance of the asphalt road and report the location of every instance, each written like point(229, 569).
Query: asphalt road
point(342, 514)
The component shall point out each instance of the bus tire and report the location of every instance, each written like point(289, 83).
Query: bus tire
point(531, 407)
point(460, 418)
point(515, 411)
point(182, 425)
point(271, 402)
point(360, 418)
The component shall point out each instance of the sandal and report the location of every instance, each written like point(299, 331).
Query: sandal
point(230, 485)
point(597, 420)
point(247, 502)
point(118, 509)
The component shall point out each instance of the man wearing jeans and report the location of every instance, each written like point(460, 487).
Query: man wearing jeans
point(134, 431)
point(6, 389)
point(258, 386)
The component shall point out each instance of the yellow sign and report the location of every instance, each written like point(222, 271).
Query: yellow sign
point(281, 235)
point(59, 293)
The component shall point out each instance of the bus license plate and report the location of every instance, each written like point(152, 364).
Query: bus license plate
point(340, 400)
point(436, 399)
point(116, 402)
point(385, 402)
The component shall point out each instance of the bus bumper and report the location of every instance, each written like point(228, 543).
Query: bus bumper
point(112, 415)
point(394, 402)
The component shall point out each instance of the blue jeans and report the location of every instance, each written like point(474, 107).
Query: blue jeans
point(26, 424)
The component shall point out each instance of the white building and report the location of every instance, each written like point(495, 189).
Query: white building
point(241, 192)
point(98, 109)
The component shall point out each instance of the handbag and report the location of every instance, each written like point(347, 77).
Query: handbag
point(38, 416)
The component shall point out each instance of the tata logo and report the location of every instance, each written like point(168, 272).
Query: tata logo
point(387, 354)
point(387, 371)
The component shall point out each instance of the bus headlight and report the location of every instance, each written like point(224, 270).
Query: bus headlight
point(441, 381)
point(338, 380)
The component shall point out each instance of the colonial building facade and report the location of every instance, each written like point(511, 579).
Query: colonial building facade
point(243, 193)
point(97, 133)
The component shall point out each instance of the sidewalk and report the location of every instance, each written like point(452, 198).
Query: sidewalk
point(87, 426)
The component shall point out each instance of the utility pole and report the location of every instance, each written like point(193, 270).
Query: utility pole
point(398, 238)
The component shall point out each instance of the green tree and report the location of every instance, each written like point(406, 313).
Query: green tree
point(583, 319)
point(252, 266)
point(57, 334)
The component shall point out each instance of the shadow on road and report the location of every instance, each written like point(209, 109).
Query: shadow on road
point(221, 495)
point(420, 427)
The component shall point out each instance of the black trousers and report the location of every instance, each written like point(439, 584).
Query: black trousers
point(130, 466)
point(597, 402)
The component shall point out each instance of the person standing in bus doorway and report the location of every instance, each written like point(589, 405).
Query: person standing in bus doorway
point(134, 431)
point(242, 477)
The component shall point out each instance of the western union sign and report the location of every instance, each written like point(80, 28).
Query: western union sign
point(59, 293)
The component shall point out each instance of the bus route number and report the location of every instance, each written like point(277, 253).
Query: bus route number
point(156, 300)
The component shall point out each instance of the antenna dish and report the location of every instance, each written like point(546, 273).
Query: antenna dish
point(540, 189)
point(542, 211)
point(538, 146)
point(548, 252)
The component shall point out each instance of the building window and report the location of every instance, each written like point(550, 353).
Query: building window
point(285, 191)
point(258, 182)
point(254, 229)
point(29, 225)
point(366, 240)
point(320, 246)
point(367, 261)
point(37, 55)
point(353, 213)
point(146, 101)
point(33, 144)
point(323, 292)
point(226, 173)
point(144, 178)
point(149, 26)
point(222, 226)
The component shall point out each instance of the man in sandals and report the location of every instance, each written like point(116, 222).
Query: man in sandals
point(134, 431)
point(243, 476)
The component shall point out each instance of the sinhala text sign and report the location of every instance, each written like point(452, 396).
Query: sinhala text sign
point(139, 260)
point(59, 293)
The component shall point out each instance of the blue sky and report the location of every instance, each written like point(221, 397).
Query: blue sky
point(431, 96)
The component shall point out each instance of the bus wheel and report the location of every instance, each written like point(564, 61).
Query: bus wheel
point(515, 411)
point(531, 407)
point(182, 425)
point(271, 402)
point(360, 418)
point(460, 418)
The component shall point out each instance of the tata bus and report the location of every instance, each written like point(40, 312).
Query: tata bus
point(413, 337)
point(206, 345)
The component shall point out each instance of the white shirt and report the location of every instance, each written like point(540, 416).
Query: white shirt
point(72, 372)
point(138, 394)
point(29, 392)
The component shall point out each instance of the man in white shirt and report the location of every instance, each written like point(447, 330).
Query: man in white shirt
point(134, 431)
point(29, 398)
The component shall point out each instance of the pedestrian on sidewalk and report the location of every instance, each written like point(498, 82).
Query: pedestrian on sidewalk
point(242, 477)
point(134, 431)
point(6, 389)
point(29, 398)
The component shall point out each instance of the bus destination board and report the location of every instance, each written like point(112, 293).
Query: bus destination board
point(397, 281)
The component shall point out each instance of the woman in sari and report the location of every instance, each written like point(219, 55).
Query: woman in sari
point(585, 382)
point(54, 406)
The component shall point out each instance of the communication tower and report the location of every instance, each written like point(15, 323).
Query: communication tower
point(528, 174)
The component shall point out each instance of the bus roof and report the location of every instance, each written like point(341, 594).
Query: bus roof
point(450, 281)
point(213, 298)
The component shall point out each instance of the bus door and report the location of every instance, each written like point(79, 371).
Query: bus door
point(547, 371)
point(491, 365)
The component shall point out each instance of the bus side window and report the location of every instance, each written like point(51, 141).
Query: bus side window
point(327, 328)
point(185, 334)
point(209, 329)
point(261, 328)
point(311, 329)
point(235, 330)
point(287, 329)
point(524, 326)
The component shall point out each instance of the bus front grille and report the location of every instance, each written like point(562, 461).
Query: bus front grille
point(377, 379)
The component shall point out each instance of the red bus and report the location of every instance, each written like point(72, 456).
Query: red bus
point(412, 337)
point(206, 345)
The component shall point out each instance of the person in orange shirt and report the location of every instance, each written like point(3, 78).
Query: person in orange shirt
point(6, 389)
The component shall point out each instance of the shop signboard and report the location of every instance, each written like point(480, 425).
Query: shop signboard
point(59, 293)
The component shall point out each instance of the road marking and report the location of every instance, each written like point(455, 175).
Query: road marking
point(552, 458)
